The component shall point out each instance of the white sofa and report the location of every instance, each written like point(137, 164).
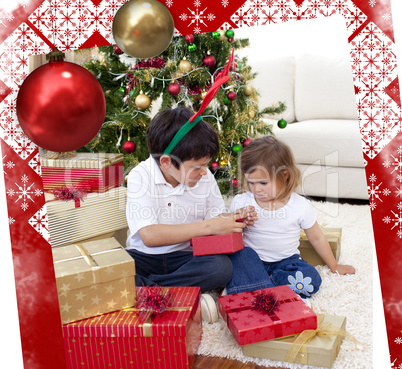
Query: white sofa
point(323, 130)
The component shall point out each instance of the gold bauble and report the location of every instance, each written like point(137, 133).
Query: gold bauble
point(223, 163)
point(143, 28)
point(248, 90)
point(222, 36)
point(251, 113)
point(185, 66)
point(142, 101)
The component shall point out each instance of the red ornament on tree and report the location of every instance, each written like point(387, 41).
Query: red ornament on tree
point(246, 141)
point(174, 88)
point(129, 146)
point(215, 166)
point(232, 95)
point(189, 39)
point(117, 50)
point(209, 61)
point(235, 182)
point(60, 105)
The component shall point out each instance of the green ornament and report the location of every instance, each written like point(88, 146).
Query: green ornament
point(192, 47)
point(131, 93)
point(226, 100)
point(282, 123)
point(122, 89)
point(229, 33)
point(216, 34)
point(237, 148)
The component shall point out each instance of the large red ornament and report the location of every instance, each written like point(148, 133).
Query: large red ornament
point(215, 166)
point(232, 95)
point(209, 61)
point(189, 39)
point(174, 88)
point(60, 106)
point(235, 182)
point(246, 141)
point(129, 146)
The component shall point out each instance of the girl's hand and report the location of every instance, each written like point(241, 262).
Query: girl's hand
point(344, 269)
point(251, 215)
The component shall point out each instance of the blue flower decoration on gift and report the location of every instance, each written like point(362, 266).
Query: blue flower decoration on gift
point(300, 285)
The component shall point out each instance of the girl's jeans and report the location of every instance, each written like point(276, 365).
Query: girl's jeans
point(181, 268)
point(250, 273)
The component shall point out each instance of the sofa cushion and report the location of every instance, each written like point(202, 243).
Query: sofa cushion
point(334, 142)
point(275, 82)
point(324, 88)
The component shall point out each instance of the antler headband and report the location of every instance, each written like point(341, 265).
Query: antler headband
point(221, 78)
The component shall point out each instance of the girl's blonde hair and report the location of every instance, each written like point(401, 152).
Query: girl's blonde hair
point(274, 157)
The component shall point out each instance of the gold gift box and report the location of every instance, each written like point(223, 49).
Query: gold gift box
point(321, 350)
point(93, 278)
point(308, 253)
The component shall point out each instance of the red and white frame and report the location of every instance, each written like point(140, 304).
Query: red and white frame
point(26, 29)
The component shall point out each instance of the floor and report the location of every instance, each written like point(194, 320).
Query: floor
point(206, 362)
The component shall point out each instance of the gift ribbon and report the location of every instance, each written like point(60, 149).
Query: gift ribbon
point(147, 325)
point(88, 257)
point(300, 345)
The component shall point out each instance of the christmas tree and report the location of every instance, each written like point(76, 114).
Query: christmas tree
point(181, 75)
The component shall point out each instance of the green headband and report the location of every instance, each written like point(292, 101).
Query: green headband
point(184, 129)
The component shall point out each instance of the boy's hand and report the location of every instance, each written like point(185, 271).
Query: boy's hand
point(344, 269)
point(232, 222)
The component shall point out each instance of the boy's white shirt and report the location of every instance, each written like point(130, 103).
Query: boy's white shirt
point(275, 234)
point(152, 200)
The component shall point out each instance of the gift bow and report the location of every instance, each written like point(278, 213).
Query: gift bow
point(221, 78)
point(300, 345)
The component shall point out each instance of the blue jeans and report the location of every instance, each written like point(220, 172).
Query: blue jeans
point(181, 268)
point(250, 273)
point(294, 271)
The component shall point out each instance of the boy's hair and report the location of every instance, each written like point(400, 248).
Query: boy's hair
point(275, 157)
point(200, 142)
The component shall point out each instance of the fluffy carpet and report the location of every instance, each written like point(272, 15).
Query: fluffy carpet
point(350, 296)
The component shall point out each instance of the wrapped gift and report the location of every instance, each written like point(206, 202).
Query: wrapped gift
point(221, 244)
point(93, 278)
point(134, 338)
point(98, 214)
point(308, 252)
point(316, 347)
point(89, 172)
point(265, 314)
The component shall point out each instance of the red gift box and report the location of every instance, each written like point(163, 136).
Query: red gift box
point(132, 338)
point(85, 171)
point(221, 244)
point(249, 325)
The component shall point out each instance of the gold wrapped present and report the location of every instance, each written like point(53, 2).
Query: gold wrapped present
point(308, 252)
point(93, 278)
point(312, 347)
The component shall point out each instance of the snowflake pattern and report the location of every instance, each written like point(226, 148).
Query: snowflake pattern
point(39, 222)
point(197, 17)
point(24, 192)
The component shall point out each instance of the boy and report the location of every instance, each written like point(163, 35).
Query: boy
point(172, 198)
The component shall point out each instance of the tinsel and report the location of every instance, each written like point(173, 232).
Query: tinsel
point(266, 302)
point(154, 299)
point(158, 63)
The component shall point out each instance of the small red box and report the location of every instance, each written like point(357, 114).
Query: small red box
point(249, 325)
point(131, 339)
point(213, 245)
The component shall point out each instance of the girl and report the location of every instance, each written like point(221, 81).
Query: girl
point(269, 170)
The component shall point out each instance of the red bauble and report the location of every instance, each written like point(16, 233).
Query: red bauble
point(246, 141)
point(235, 182)
point(117, 50)
point(174, 88)
point(209, 61)
point(232, 95)
point(61, 106)
point(129, 146)
point(189, 39)
point(215, 166)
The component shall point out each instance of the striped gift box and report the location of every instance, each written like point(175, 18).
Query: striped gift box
point(98, 214)
point(90, 172)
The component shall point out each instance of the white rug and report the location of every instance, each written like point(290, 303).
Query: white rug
point(350, 296)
